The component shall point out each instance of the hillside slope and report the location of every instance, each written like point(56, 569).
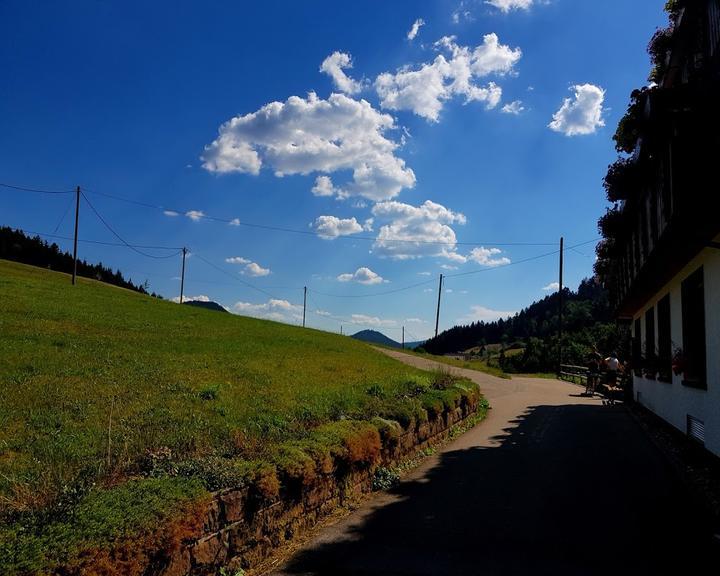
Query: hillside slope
point(101, 384)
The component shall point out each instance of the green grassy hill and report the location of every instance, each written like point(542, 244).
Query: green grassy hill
point(120, 406)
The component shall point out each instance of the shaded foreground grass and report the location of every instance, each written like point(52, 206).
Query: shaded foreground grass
point(113, 401)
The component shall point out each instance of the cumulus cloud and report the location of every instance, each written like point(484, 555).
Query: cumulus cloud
point(425, 90)
point(552, 287)
point(254, 269)
point(487, 257)
point(515, 107)
point(415, 321)
point(198, 298)
point(171, 213)
point(365, 320)
point(335, 66)
point(330, 227)
point(312, 135)
point(324, 187)
point(581, 114)
point(234, 222)
point(273, 309)
point(415, 28)
point(508, 5)
point(250, 268)
point(417, 228)
point(195, 215)
point(237, 260)
point(362, 276)
point(483, 314)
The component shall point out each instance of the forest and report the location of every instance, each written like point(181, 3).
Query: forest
point(588, 326)
point(17, 246)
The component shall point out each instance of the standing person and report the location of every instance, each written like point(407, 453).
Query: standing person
point(612, 365)
point(593, 373)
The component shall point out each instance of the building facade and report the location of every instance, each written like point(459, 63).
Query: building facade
point(661, 254)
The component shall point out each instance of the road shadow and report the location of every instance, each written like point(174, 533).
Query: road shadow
point(570, 490)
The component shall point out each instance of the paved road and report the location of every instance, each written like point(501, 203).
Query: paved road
point(550, 483)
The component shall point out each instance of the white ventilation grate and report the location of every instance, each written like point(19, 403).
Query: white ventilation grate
point(696, 429)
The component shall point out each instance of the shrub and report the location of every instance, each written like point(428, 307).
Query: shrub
point(385, 479)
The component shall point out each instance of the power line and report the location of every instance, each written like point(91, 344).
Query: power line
point(102, 243)
point(240, 280)
point(272, 228)
point(385, 293)
point(516, 262)
point(62, 219)
point(36, 190)
point(107, 225)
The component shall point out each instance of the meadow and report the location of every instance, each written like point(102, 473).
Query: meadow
point(117, 409)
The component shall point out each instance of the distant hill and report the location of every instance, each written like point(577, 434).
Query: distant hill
point(375, 337)
point(208, 305)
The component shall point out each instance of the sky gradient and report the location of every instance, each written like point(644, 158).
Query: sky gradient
point(473, 127)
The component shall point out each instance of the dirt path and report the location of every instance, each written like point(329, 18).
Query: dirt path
point(550, 483)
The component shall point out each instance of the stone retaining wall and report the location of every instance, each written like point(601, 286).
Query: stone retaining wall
point(240, 531)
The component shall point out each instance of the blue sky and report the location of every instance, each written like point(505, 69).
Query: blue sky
point(492, 125)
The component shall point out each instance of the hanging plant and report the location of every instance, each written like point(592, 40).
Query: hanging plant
point(658, 49)
point(620, 180)
point(679, 362)
point(611, 224)
point(628, 130)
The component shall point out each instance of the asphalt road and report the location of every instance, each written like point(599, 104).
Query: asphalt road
point(550, 483)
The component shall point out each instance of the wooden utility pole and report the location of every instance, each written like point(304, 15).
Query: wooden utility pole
point(304, 304)
point(182, 276)
point(77, 217)
point(437, 316)
point(403, 338)
point(560, 305)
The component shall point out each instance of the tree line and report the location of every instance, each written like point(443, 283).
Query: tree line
point(588, 327)
point(17, 246)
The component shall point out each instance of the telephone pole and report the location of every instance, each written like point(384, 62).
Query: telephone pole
point(560, 304)
point(304, 303)
point(403, 338)
point(437, 317)
point(182, 276)
point(77, 217)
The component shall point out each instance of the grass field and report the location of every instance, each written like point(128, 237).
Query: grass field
point(101, 385)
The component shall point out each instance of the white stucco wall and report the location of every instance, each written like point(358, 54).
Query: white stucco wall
point(673, 401)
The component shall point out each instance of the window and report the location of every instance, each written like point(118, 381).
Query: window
point(636, 348)
point(664, 340)
point(650, 356)
point(693, 325)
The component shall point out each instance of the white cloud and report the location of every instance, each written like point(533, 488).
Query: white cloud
point(330, 227)
point(334, 66)
point(322, 312)
point(237, 260)
point(486, 257)
point(234, 222)
point(417, 228)
point(415, 28)
point(483, 314)
point(581, 114)
point(250, 268)
point(415, 321)
point(171, 213)
point(424, 273)
point(448, 267)
point(508, 5)
point(324, 187)
point(515, 107)
point(362, 276)
point(552, 287)
point(198, 298)
point(254, 269)
point(365, 320)
point(273, 309)
point(425, 90)
point(195, 215)
point(368, 224)
point(305, 135)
